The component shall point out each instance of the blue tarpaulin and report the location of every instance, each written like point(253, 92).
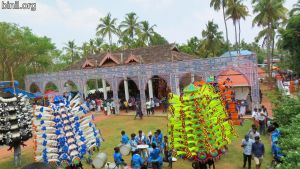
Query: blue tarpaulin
point(11, 90)
point(235, 53)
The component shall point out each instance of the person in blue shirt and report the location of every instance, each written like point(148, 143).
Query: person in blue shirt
point(149, 139)
point(155, 159)
point(118, 157)
point(133, 143)
point(276, 151)
point(125, 138)
point(136, 160)
point(156, 140)
point(160, 136)
point(141, 139)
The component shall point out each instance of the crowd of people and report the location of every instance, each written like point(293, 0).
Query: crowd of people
point(252, 144)
point(95, 102)
point(153, 154)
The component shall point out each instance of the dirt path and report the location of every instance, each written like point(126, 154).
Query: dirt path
point(265, 100)
point(8, 154)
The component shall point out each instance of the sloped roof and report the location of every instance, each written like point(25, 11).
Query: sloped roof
point(236, 77)
point(145, 55)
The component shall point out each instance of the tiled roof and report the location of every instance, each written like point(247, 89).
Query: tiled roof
point(145, 55)
point(236, 77)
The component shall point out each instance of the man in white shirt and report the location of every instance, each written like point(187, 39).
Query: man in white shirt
point(247, 145)
point(255, 116)
point(152, 105)
point(262, 119)
point(148, 107)
point(253, 133)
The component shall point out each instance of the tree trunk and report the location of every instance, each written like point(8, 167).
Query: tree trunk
point(272, 53)
point(268, 51)
point(239, 37)
point(236, 41)
point(110, 41)
point(227, 41)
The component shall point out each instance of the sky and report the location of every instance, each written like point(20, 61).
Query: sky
point(176, 20)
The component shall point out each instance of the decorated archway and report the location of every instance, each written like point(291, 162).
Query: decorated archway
point(70, 86)
point(34, 88)
point(50, 86)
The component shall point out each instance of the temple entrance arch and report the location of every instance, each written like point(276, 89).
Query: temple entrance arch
point(34, 88)
point(158, 89)
point(128, 90)
point(70, 86)
point(98, 88)
point(51, 86)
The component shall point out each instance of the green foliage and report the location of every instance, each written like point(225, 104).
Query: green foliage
point(211, 45)
point(23, 52)
point(287, 114)
point(157, 39)
point(291, 42)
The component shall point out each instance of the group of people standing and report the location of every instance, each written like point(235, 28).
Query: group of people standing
point(153, 154)
point(252, 144)
point(108, 106)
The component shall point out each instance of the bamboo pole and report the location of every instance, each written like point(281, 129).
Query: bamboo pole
point(12, 79)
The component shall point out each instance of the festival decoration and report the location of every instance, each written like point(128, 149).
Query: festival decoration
point(199, 128)
point(15, 120)
point(64, 134)
point(228, 98)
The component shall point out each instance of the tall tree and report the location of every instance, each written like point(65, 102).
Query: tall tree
point(146, 32)
point(269, 14)
point(130, 25)
point(98, 45)
point(291, 42)
point(296, 9)
point(157, 39)
point(213, 40)
point(72, 50)
point(107, 27)
point(217, 5)
point(23, 52)
point(236, 11)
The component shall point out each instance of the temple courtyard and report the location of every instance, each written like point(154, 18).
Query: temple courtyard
point(111, 127)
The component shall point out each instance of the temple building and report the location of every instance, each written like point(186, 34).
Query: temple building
point(148, 72)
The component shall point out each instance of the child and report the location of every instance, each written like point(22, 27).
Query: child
point(118, 157)
point(125, 138)
point(136, 160)
point(133, 143)
point(155, 157)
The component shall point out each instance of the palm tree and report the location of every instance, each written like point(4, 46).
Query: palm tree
point(98, 44)
point(269, 14)
point(212, 39)
point(296, 9)
point(85, 49)
point(71, 49)
point(92, 47)
point(107, 27)
point(217, 4)
point(146, 32)
point(236, 11)
point(131, 26)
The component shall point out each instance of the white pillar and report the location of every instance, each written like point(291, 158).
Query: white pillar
point(85, 90)
point(177, 85)
point(96, 84)
point(150, 88)
point(192, 77)
point(104, 89)
point(126, 89)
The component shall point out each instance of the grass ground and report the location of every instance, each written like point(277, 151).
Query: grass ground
point(111, 128)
